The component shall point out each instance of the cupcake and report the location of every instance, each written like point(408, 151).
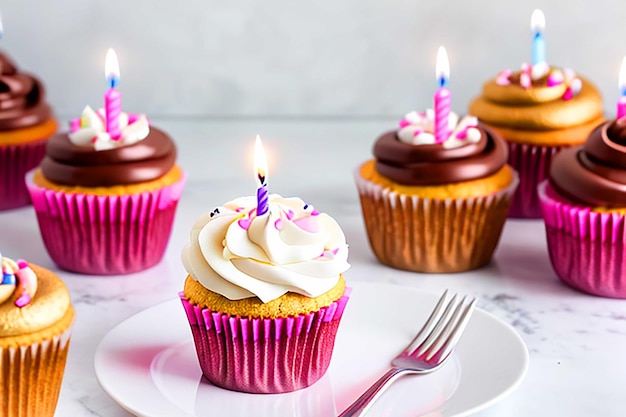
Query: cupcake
point(26, 122)
point(436, 206)
point(35, 325)
point(538, 110)
point(584, 207)
point(265, 293)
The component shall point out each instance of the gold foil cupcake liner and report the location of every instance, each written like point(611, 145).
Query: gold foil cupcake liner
point(431, 235)
point(31, 376)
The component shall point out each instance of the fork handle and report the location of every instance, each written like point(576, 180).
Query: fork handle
point(360, 406)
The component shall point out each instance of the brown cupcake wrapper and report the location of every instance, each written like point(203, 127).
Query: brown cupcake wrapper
point(432, 235)
point(31, 376)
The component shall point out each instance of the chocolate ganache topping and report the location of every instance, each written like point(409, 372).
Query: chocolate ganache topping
point(21, 98)
point(434, 164)
point(594, 173)
point(70, 164)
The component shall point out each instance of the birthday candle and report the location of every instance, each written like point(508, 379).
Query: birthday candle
point(537, 25)
point(260, 170)
point(621, 102)
point(112, 97)
point(442, 97)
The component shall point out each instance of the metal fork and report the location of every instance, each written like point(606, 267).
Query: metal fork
point(430, 348)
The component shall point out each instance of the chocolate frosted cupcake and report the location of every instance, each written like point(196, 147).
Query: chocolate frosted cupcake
point(436, 207)
point(26, 122)
point(584, 207)
point(105, 205)
point(539, 111)
point(35, 325)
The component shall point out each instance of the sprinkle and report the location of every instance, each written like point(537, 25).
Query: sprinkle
point(462, 134)
point(503, 77)
point(278, 224)
point(244, 223)
point(306, 206)
point(418, 132)
point(539, 70)
point(214, 212)
point(404, 123)
point(526, 67)
point(75, 125)
point(289, 214)
point(335, 251)
point(555, 78)
point(568, 95)
point(239, 209)
point(23, 300)
point(576, 85)
point(524, 81)
point(315, 213)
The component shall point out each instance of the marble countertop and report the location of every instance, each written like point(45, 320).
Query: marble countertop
point(575, 341)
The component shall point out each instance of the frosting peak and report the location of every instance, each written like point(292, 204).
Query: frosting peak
point(18, 282)
point(21, 98)
point(418, 128)
point(292, 247)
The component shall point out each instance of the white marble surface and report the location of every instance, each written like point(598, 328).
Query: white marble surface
point(575, 341)
point(280, 57)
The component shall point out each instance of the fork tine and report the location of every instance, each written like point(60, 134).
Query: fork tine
point(445, 329)
point(455, 334)
point(428, 326)
point(440, 327)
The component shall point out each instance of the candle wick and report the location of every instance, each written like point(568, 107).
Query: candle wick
point(262, 179)
point(113, 82)
point(443, 82)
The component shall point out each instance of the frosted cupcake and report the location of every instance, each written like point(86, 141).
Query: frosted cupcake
point(436, 207)
point(35, 326)
point(538, 110)
point(26, 122)
point(106, 206)
point(265, 292)
point(584, 207)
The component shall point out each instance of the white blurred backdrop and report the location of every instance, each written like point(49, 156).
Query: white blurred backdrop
point(276, 58)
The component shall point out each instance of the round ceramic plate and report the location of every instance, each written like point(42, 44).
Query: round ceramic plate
point(147, 364)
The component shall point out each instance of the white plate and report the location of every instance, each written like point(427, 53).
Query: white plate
point(147, 364)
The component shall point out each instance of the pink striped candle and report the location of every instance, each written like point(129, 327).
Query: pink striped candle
point(621, 102)
point(112, 97)
point(260, 169)
point(442, 97)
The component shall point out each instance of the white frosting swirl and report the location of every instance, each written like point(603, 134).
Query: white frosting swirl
point(292, 247)
point(418, 128)
point(93, 132)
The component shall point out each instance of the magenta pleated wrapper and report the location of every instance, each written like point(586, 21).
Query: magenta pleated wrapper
point(532, 163)
point(264, 355)
point(587, 248)
point(15, 162)
point(105, 235)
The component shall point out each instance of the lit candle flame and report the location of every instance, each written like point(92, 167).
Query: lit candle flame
point(442, 67)
point(622, 78)
point(537, 21)
point(260, 161)
point(112, 68)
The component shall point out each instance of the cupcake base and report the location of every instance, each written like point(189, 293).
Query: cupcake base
point(257, 355)
point(586, 248)
point(105, 235)
point(31, 376)
point(15, 162)
point(532, 163)
point(430, 235)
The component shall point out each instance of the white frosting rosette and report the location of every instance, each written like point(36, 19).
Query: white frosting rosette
point(417, 128)
point(91, 130)
point(291, 248)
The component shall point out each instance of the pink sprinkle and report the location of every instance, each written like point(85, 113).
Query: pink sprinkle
point(568, 95)
point(74, 125)
point(315, 213)
point(554, 78)
point(239, 209)
point(94, 139)
point(244, 223)
point(525, 80)
point(417, 132)
point(132, 118)
point(278, 224)
point(289, 213)
point(23, 300)
point(526, 67)
point(403, 123)
point(335, 251)
point(21, 264)
point(503, 77)
point(463, 133)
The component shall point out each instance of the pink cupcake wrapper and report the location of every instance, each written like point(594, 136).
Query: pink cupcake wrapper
point(587, 249)
point(105, 235)
point(15, 162)
point(38, 372)
point(532, 162)
point(264, 355)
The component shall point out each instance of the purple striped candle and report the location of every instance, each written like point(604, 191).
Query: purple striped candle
point(260, 168)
